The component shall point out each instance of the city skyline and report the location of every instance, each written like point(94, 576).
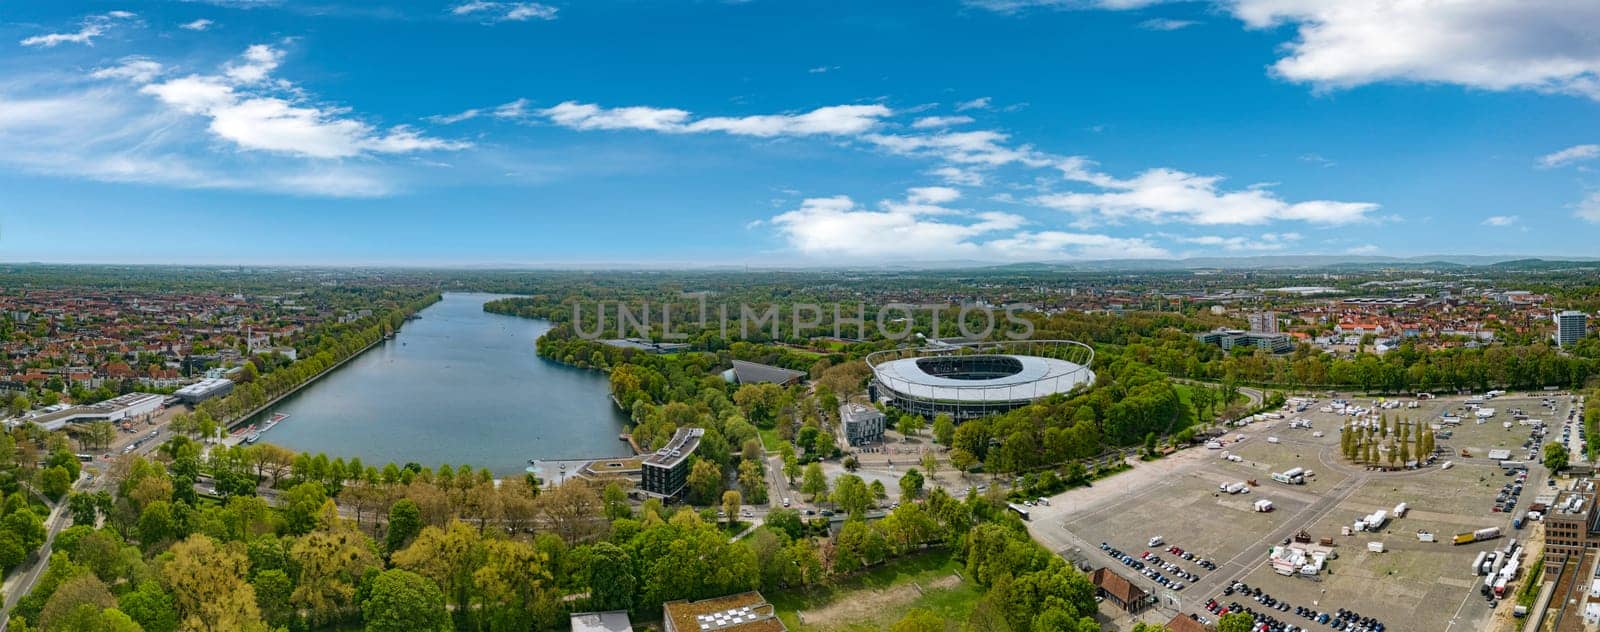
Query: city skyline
point(760, 133)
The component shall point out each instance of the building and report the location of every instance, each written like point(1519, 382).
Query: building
point(120, 408)
point(863, 424)
point(1120, 591)
point(1183, 623)
point(666, 472)
point(1230, 338)
point(646, 345)
point(974, 380)
point(755, 373)
point(1569, 523)
point(204, 389)
point(1264, 323)
point(1571, 326)
point(744, 612)
point(613, 621)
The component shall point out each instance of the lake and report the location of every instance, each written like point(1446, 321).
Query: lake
point(460, 385)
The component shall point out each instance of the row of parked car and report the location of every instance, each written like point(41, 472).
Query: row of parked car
point(1341, 619)
point(1166, 573)
point(1506, 500)
point(1148, 570)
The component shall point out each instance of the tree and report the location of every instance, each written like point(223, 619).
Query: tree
point(815, 482)
point(331, 560)
point(910, 485)
point(1555, 457)
point(930, 464)
point(55, 482)
point(616, 502)
point(1235, 622)
point(852, 496)
point(753, 480)
point(402, 601)
point(75, 592)
point(405, 520)
point(705, 480)
point(919, 620)
point(785, 521)
point(151, 607)
point(612, 584)
point(730, 505)
point(208, 587)
point(301, 505)
point(274, 589)
point(944, 429)
point(791, 464)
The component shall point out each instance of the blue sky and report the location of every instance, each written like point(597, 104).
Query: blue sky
point(674, 132)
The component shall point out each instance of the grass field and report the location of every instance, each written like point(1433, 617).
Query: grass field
point(877, 598)
point(770, 439)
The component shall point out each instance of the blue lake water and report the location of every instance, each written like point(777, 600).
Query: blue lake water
point(460, 385)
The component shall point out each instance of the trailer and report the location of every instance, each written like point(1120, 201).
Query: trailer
point(1480, 535)
point(1477, 564)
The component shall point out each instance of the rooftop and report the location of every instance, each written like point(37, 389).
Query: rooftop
point(754, 373)
point(744, 612)
point(683, 443)
point(613, 621)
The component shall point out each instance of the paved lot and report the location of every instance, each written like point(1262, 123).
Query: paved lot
point(1412, 585)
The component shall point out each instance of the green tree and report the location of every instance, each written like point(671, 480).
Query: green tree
point(55, 482)
point(851, 495)
point(919, 620)
point(151, 607)
point(944, 429)
point(791, 463)
point(612, 583)
point(911, 485)
point(1555, 457)
point(1235, 622)
point(405, 521)
point(301, 505)
point(705, 480)
point(273, 591)
point(815, 482)
point(730, 505)
point(403, 601)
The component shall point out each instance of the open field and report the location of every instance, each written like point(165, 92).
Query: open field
point(877, 598)
point(1411, 586)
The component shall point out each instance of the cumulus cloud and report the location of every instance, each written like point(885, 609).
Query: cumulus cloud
point(243, 107)
point(197, 25)
point(1543, 45)
point(919, 227)
point(832, 120)
point(980, 103)
point(1589, 208)
point(506, 11)
point(136, 69)
point(1013, 6)
point(92, 27)
point(1167, 195)
point(1570, 155)
point(1265, 242)
point(934, 122)
point(1501, 220)
point(958, 176)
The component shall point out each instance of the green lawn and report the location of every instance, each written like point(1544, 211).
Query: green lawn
point(952, 603)
point(770, 439)
point(1185, 418)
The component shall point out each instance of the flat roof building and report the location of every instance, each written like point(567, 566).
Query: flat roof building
point(756, 373)
point(863, 424)
point(204, 389)
point(1569, 523)
point(744, 612)
point(119, 408)
point(666, 472)
point(613, 621)
point(1230, 338)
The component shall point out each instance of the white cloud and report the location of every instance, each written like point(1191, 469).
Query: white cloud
point(1013, 6)
point(1575, 153)
point(1589, 208)
point(92, 26)
point(1543, 45)
point(958, 176)
point(917, 228)
point(835, 120)
point(197, 25)
point(262, 121)
point(1167, 195)
point(821, 69)
point(452, 119)
point(512, 110)
point(1265, 242)
point(506, 11)
point(980, 103)
point(1166, 24)
point(135, 69)
point(1501, 220)
point(931, 122)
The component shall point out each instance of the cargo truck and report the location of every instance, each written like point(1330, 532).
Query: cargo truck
point(1480, 535)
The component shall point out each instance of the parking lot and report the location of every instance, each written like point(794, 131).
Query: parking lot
point(1415, 585)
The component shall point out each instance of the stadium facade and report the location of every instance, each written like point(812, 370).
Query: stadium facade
point(973, 380)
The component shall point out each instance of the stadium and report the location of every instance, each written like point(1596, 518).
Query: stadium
point(973, 380)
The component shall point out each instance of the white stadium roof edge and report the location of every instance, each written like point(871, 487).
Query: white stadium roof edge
point(902, 376)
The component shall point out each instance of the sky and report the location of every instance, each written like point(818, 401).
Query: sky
point(773, 132)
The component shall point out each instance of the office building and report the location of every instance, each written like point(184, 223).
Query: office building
point(204, 389)
point(1264, 323)
point(1571, 326)
point(666, 472)
point(863, 424)
point(1230, 338)
point(1569, 523)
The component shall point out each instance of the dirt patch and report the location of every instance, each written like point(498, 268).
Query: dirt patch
point(870, 605)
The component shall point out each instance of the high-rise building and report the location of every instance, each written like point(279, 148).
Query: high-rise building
point(666, 472)
point(1570, 327)
point(1264, 323)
